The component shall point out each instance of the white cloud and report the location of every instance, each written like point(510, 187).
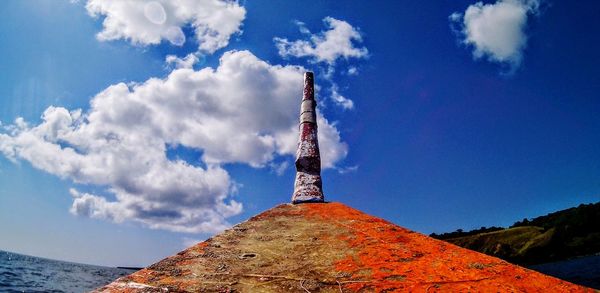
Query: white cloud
point(326, 46)
point(344, 170)
point(150, 22)
point(352, 71)
point(279, 168)
point(244, 111)
point(302, 27)
point(340, 100)
point(496, 31)
point(185, 62)
point(89, 205)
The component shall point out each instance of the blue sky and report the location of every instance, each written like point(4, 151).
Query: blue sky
point(439, 115)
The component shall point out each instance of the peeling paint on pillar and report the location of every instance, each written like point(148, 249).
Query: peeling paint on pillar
point(308, 186)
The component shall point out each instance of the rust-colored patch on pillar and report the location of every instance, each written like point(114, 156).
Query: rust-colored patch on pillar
point(308, 186)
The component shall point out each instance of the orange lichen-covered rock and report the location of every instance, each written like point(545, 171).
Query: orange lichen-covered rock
point(330, 247)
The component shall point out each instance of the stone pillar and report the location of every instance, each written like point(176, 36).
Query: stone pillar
point(308, 186)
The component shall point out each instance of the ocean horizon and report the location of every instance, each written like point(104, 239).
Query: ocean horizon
point(25, 273)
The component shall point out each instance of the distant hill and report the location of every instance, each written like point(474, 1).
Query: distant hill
point(555, 236)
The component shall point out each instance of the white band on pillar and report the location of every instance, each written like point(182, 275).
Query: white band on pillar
point(307, 111)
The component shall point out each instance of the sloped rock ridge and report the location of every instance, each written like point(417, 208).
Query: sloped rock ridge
point(330, 247)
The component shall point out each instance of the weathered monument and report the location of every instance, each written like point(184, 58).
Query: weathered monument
point(308, 186)
point(329, 247)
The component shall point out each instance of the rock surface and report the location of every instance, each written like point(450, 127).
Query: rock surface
point(330, 247)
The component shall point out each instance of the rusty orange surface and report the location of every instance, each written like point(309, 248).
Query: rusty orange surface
point(330, 247)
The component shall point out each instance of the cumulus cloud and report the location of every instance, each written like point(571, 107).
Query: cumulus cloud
point(337, 42)
point(496, 31)
point(150, 22)
point(244, 111)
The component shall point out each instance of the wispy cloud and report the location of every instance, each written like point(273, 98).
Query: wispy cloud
point(327, 46)
point(279, 168)
point(350, 169)
point(188, 61)
point(188, 242)
point(338, 41)
point(340, 100)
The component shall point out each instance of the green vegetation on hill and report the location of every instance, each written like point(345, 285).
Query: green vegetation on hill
point(559, 235)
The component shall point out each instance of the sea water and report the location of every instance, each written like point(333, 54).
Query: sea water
point(22, 273)
point(582, 270)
